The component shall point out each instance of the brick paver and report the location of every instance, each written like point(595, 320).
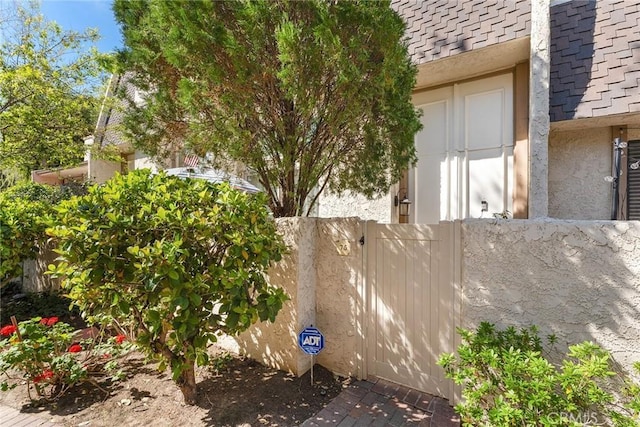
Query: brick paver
point(376, 403)
point(380, 403)
point(10, 417)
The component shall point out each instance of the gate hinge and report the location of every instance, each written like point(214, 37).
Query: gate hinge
point(362, 241)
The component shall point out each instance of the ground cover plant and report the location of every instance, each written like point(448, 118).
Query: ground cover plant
point(175, 262)
point(239, 392)
point(508, 379)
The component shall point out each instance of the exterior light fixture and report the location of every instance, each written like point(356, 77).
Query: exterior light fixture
point(403, 203)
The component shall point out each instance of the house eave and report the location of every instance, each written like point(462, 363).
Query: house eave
point(628, 119)
point(55, 176)
point(473, 63)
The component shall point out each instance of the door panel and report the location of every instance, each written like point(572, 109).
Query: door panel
point(431, 177)
point(410, 306)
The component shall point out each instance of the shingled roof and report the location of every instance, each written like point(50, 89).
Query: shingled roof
point(595, 46)
point(108, 130)
point(595, 59)
point(438, 29)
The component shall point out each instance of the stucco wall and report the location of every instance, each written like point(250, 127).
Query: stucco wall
point(322, 275)
point(275, 344)
point(577, 279)
point(349, 205)
point(579, 161)
point(338, 291)
point(102, 170)
point(539, 110)
point(34, 277)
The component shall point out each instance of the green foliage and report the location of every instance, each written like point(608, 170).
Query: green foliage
point(22, 232)
point(48, 79)
point(220, 362)
point(309, 94)
point(24, 212)
point(507, 381)
point(33, 192)
point(180, 259)
point(47, 355)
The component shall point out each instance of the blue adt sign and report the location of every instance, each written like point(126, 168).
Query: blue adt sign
point(311, 341)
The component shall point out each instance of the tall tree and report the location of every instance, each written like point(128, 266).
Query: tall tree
point(309, 94)
point(48, 79)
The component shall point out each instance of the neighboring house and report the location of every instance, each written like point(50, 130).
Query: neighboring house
point(488, 84)
point(78, 173)
point(521, 103)
point(109, 133)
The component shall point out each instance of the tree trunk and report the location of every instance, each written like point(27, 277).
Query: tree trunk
point(187, 383)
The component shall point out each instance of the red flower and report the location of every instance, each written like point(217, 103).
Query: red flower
point(44, 321)
point(52, 321)
point(45, 375)
point(120, 339)
point(76, 348)
point(7, 330)
point(106, 355)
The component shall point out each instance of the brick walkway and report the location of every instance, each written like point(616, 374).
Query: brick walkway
point(363, 403)
point(382, 403)
point(14, 418)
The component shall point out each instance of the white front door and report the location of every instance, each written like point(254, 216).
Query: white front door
point(465, 151)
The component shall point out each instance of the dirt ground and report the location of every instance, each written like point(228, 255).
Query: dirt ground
point(242, 393)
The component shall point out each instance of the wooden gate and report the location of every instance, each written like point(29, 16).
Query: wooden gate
point(411, 303)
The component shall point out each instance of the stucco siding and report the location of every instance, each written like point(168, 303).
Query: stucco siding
point(578, 162)
point(350, 204)
point(275, 344)
point(338, 302)
point(576, 279)
point(322, 276)
point(102, 170)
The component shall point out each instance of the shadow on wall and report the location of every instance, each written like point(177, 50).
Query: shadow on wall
point(412, 304)
point(34, 277)
point(322, 275)
point(572, 50)
point(575, 279)
point(274, 344)
point(339, 303)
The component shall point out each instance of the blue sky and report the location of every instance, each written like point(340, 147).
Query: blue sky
point(81, 14)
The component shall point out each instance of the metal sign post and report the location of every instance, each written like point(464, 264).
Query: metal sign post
point(311, 341)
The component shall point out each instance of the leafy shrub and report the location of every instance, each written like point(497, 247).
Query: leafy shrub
point(178, 260)
point(24, 212)
point(34, 192)
point(46, 354)
point(507, 381)
point(22, 231)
